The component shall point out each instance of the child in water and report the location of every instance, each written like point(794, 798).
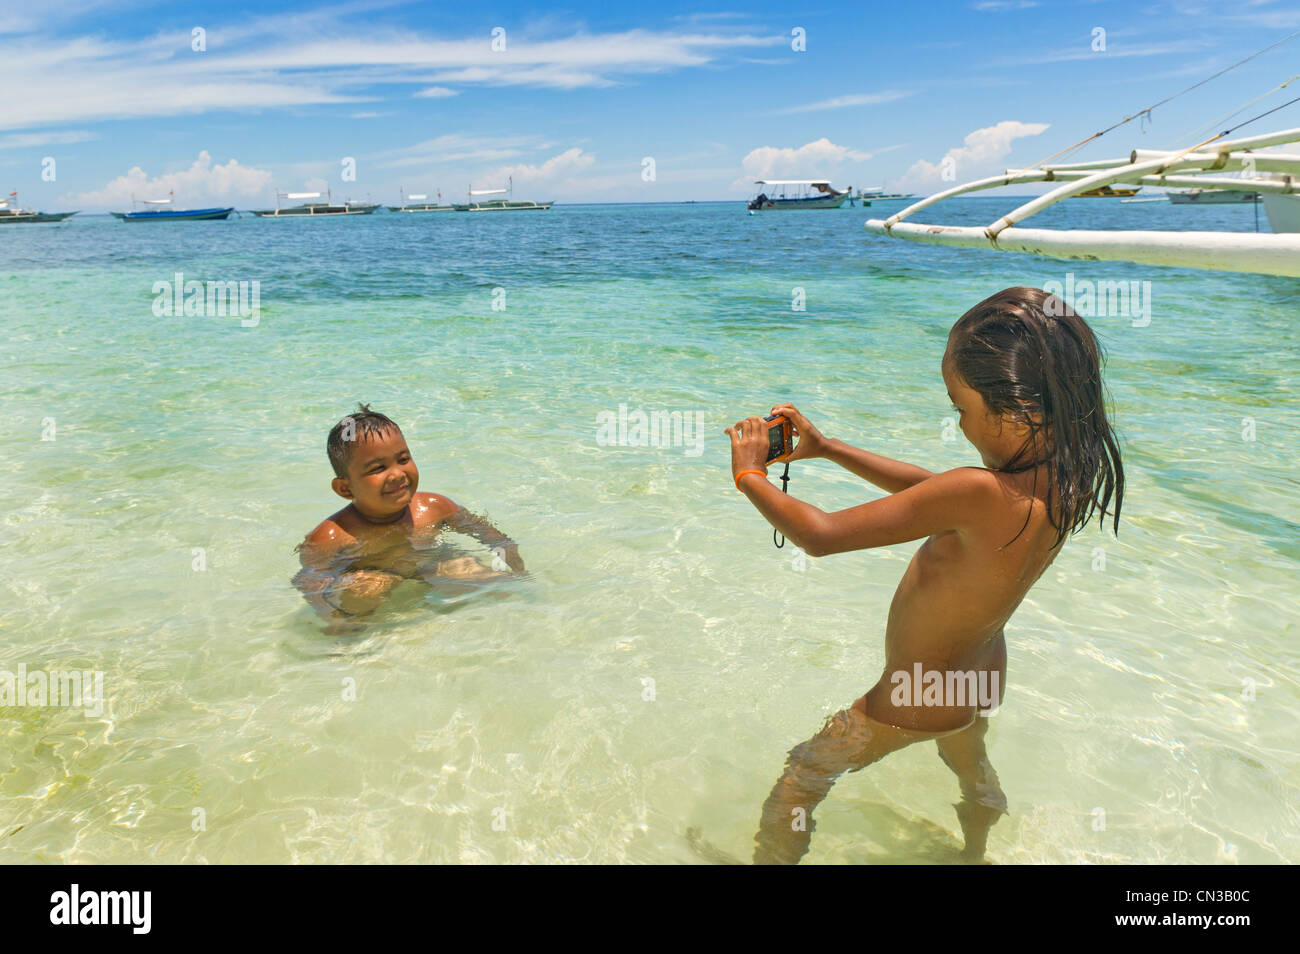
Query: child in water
point(1023, 372)
point(388, 532)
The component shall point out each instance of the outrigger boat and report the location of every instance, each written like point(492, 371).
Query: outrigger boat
point(1276, 253)
point(1209, 164)
point(169, 215)
point(1212, 197)
point(416, 204)
point(797, 194)
point(500, 205)
point(12, 214)
point(310, 209)
point(1106, 192)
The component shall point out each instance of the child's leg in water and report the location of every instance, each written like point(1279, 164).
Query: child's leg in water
point(849, 741)
point(982, 802)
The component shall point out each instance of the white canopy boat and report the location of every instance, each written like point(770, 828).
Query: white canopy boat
point(476, 204)
point(789, 194)
point(419, 203)
point(878, 194)
point(1276, 253)
point(308, 209)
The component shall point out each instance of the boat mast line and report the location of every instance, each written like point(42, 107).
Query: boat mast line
point(1240, 109)
point(1168, 99)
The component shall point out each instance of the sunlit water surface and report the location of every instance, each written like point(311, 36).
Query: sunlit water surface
point(652, 673)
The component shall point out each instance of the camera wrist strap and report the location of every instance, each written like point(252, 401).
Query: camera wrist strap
point(785, 489)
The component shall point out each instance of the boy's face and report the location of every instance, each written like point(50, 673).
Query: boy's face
point(996, 439)
point(382, 477)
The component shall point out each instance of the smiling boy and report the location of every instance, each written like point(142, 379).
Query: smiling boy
point(389, 530)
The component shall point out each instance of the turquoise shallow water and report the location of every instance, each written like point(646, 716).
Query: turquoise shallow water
point(519, 728)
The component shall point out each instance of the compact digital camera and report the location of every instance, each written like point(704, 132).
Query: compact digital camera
point(780, 438)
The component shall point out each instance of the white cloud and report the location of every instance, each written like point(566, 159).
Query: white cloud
point(200, 185)
point(856, 99)
point(457, 147)
point(321, 58)
point(35, 140)
point(436, 92)
point(818, 158)
point(558, 172)
point(982, 149)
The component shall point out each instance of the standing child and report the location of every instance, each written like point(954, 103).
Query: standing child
point(1023, 372)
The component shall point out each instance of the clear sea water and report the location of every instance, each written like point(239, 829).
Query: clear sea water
point(652, 673)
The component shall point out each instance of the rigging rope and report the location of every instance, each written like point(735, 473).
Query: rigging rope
point(1147, 112)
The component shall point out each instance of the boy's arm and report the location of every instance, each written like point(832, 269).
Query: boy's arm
point(463, 521)
point(949, 501)
point(317, 554)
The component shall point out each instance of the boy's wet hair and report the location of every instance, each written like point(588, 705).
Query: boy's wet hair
point(347, 433)
point(1035, 362)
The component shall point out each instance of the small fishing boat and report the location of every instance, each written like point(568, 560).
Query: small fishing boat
point(169, 215)
point(418, 203)
point(787, 194)
point(313, 209)
point(1106, 192)
point(511, 204)
point(1212, 197)
point(10, 213)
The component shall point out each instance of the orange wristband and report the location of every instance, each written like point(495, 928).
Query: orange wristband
point(744, 472)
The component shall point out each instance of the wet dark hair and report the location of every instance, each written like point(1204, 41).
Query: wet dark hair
point(1037, 363)
point(347, 433)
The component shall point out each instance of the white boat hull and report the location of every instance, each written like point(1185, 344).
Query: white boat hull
point(1283, 212)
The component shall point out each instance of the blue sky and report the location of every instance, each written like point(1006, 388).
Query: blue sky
point(415, 93)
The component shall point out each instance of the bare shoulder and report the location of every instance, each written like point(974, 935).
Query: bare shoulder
point(323, 542)
point(975, 484)
point(429, 508)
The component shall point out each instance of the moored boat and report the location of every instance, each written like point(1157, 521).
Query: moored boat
point(170, 215)
point(313, 209)
point(420, 203)
point(878, 194)
point(11, 214)
point(1107, 192)
point(796, 194)
point(1209, 165)
point(510, 204)
point(1212, 197)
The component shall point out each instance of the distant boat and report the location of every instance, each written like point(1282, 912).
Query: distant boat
point(416, 203)
point(878, 194)
point(1107, 192)
point(10, 213)
point(501, 205)
point(1213, 197)
point(169, 215)
point(312, 209)
point(790, 194)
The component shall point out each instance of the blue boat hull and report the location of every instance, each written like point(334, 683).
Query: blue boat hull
point(172, 215)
